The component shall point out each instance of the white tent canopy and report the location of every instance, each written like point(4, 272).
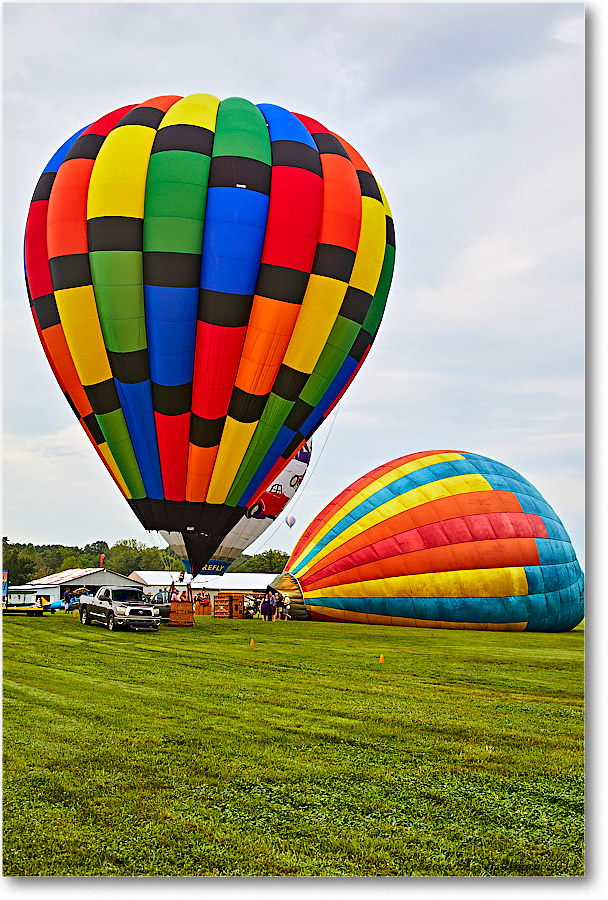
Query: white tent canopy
point(237, 582)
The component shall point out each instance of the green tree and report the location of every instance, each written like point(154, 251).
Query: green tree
point(51, 557)
point(271, 561)
point(96, 549)
point(73, 561)
point(154, 560)
point(131, 556)
point(29, 561)
point(20, 562)
point(124, 557)
point(235, 566)
point(170, 561)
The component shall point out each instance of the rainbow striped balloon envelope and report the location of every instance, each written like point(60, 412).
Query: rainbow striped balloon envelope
point(206, 278)
point(439, 539)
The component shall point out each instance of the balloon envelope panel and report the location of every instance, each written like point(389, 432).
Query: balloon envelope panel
point(258, 516)
point(265, 511)
point(440, 539)
point(206, 278)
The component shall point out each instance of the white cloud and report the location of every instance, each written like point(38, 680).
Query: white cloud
point(56, 490)
point(570, 30)
point(470, 115)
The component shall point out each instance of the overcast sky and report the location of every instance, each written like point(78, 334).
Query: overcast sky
point(471, 116)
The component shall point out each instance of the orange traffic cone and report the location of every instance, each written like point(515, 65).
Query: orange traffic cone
point(75, 614)
point(382, 657)
point(251, 644)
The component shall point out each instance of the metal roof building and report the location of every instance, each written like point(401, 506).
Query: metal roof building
point(231, 582)
point(54, 586)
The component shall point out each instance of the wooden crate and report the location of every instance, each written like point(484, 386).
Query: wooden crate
point(222, 606)
point(181, 613)
point(201, 610)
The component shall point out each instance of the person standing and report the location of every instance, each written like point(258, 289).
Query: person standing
point(265, 608)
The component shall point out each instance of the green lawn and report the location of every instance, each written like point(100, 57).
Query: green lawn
point(189, 752)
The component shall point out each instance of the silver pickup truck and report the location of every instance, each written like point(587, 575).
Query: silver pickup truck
point(119, 607)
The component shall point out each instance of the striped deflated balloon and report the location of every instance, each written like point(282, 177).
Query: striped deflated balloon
point(438, 539)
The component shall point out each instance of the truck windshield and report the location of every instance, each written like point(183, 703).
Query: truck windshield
point(128, 595)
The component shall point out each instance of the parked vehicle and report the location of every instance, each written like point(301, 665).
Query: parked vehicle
point(162, 603)
point(119, 607)
point(30, 604)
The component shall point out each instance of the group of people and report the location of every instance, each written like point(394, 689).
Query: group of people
point(72, 596)
point(274, 605)
point(172, 595)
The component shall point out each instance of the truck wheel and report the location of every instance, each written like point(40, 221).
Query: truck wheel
point(111, 622)
point(84, 616)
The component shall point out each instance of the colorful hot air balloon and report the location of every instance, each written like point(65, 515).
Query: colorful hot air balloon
point(206, 278)
point(256, 519)
point(291, 521)
point(438, 539)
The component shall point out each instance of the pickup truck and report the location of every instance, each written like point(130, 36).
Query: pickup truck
point(119, 607)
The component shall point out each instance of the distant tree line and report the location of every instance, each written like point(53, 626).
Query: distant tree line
point(26, 562)
point(272, 561)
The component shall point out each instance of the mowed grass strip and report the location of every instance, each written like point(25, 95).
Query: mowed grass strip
point(189, 752)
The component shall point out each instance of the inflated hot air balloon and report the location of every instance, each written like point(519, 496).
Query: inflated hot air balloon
point(206, 278)
point(256, 519)
point(439, 539)
point(290, 521)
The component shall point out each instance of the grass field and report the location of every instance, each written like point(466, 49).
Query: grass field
point(189, 752)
